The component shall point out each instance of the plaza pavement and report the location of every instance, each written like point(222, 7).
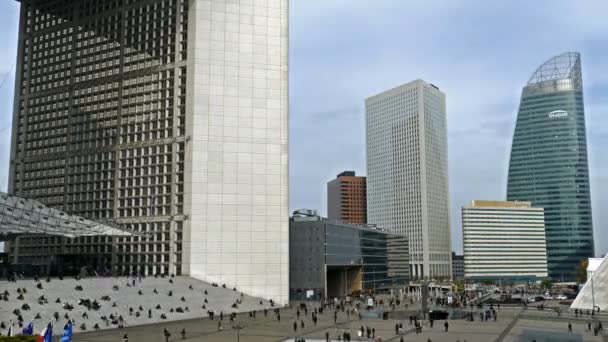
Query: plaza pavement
point(511, 325)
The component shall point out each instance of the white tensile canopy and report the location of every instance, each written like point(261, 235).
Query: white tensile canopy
point(25, 216)
point(595, 291)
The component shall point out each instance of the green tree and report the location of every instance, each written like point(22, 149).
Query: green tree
point(547, 283)
point(581, 271)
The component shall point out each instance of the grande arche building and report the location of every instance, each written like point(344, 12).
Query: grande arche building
point(165, 117)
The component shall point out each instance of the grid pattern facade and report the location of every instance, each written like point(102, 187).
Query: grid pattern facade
point(549, 166)
point(407, 181)
point(118, 104)
point(100, 116)
point(347, 199)
point(504, 240)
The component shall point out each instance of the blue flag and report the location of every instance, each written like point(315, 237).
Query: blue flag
point(29, 330)
point(67, 333)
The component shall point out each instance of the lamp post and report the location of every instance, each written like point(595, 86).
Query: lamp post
point(238, 332)
point(592, 294)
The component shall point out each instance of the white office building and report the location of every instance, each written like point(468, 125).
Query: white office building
point(504, 240)
point(407, 167)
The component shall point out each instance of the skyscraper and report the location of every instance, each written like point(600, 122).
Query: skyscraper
point(347, 198)
point(407, 172)
point(168, 117)
point(548, 165)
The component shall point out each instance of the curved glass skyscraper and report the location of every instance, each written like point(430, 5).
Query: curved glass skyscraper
point(548, 165)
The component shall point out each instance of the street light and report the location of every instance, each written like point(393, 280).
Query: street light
point(592, 294)
point(238, 332)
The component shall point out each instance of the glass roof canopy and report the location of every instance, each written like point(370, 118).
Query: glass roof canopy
point(560, 67)
point(25, 216)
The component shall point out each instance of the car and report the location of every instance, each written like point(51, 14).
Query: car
point(531, 300)
point(561, 297)
point(548, 297)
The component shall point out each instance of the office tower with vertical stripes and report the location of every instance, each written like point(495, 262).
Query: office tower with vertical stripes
point(407, 173)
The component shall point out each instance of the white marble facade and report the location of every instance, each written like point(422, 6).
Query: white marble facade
point(236, 179)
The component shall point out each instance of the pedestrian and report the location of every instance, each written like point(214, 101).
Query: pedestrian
point(327, 336)
point(183, 333)
point(295, 326)
point(396, 329)
point(149, 313)
point(569, 327)
point(167, 334)
point(125, 338)
point(219, 326)
point(335, 317)
point(588, 325)
point(446, 325)
point(431, 322)
point(302, 324)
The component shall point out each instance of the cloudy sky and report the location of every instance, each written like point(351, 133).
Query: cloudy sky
point(480, 53)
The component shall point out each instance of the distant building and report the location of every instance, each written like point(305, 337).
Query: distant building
point(335, 259)
point(407, 166)
point(457, 266)
point(548, 164)
point(347, 198)
point(504, 240)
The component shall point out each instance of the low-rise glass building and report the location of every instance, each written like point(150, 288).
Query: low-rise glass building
point(336, 259)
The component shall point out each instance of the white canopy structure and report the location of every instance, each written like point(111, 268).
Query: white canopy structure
point(25, 216)
point(595, 291)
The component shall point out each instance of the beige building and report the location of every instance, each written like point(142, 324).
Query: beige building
point(504, 240)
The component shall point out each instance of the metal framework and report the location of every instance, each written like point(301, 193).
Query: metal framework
point(564, 66)
point(26, 216)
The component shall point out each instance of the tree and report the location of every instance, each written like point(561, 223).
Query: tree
point(547, 283)
point(581, 271)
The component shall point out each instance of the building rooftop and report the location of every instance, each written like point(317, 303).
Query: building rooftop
point(564, 66)
point(499, 204)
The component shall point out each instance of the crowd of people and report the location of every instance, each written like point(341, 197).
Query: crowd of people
point(94, 311)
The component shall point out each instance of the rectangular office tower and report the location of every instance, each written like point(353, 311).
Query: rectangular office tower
point(168, 117)
point(504, 240)
point(347, 198)
point(407, 173)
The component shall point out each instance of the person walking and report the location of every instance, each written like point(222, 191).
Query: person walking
point(327, 336)
point(446, 325)
point(569, 327)
point(125, 338)
point(167, 334)
point(295, 326)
